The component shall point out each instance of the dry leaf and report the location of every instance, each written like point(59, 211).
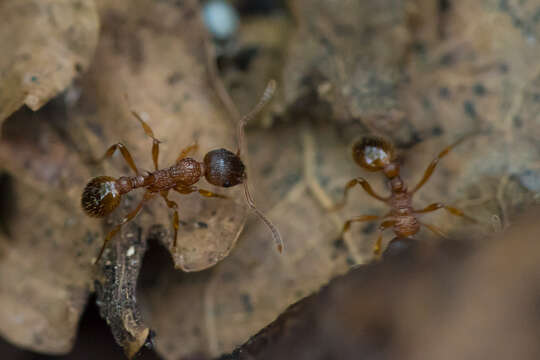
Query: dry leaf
point(424, 301)
point(146, 53)
point(142, 54)
point(349, 69)
point(302, 167)
point(44, 45)
point(348, 54)
point(45, 250)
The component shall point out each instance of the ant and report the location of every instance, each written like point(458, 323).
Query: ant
point(219, 167)
point(377, 154)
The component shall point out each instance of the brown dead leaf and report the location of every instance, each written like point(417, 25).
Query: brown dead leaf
point(44, 45)
point(145, 52)
point(301, 168)
point(251, 286)
point(481, 77)
point(424, 301)
point(349, 55)
point(45, 250)
point(363, 66)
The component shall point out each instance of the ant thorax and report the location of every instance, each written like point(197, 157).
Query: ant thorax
point(186, 172)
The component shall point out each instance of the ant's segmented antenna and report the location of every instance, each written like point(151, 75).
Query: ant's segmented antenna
point(275, 233)
point(265, 98)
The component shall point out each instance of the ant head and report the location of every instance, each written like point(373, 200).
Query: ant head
point(224, 168)
point(100, 196)
point(373, 153)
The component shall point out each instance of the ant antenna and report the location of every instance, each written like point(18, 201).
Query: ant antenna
point(275, 233)
point(265, 98)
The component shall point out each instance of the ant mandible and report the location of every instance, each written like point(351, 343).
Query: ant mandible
point(219, 167)
point(377, 154)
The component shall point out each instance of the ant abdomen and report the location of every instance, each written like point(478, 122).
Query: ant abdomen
point(224, 168)
point(373, 153)
point(100, 196)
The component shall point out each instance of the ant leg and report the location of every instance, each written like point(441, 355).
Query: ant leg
point(186, 151)
point(172, 205)
point(348, 223)
point(433, 165)
point(130, 216)
point(450, 209)
point(185, 190)
point(434, 229)
point(363, 182)
point(125, 154)
point(377, 248)
point(205, 193)
point(150, 133)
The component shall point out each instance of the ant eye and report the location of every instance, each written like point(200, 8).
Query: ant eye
point(373, 153)
point(223, 168)
point(100, 196)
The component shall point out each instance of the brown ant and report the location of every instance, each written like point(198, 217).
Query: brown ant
point(377, 154)
point(220, 167)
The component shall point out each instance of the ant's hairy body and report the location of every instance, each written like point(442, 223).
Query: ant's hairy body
point(219, 167)
point(377, 154)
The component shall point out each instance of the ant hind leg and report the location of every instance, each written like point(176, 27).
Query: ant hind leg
point(431, 168)
point(377, 248)
point(130, 216)
point(125, 154)
point(450, 209)
point(434, 229)
point(176, 222)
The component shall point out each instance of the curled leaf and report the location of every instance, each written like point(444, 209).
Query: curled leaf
point(45, 44)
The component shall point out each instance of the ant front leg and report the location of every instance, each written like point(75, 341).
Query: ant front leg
point(207, 193)
point(130, 216)
point(172, 205)
point(125, 154)
point(433, 165)
point(450, 209)
point(155, 142)
point(203, 192)
point(377, 248)
point(364, 183)
point(185, 152)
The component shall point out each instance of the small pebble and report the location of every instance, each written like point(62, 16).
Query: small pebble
point(220, 18)
point(130, 251)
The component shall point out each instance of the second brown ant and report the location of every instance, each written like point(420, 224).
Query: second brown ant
point(377, 154)
point(219, 167)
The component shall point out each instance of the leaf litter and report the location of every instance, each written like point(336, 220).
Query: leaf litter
point(341, 77)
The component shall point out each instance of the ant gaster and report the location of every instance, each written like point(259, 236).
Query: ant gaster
point(377, 154)
point(219, 167)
